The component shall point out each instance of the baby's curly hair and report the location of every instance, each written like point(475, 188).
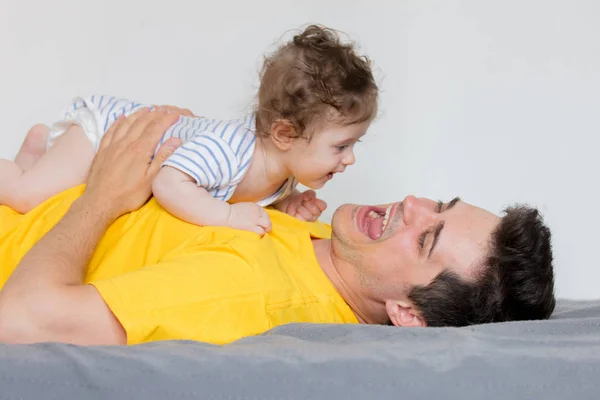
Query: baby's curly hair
point(306, 79)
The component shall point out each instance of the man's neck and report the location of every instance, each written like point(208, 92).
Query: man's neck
point(366, 310)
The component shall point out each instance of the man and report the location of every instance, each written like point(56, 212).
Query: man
point(95, 278)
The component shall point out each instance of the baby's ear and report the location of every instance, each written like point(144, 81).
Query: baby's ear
point(283, 134)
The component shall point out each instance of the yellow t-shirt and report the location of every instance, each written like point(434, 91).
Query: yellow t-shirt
point(166, 279)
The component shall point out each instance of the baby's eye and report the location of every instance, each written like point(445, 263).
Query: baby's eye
point(341, 148)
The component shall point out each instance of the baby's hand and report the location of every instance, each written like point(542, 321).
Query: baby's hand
point(306, 206)
point(250, 217)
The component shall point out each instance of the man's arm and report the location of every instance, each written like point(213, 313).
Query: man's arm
point(45, 298)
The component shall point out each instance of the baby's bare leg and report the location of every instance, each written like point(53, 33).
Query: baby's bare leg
point(33, 147)
point(63, 166)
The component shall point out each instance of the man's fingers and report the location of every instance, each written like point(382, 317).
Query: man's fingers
point(163, 153)
point(181, 111)
point(107, 139)
point(123, 129)
point(139, 113)
point(147, 133)
point(155, 130)
point(187, 112)
point(139, 126)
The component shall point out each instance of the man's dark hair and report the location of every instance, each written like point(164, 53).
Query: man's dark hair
point(516, 281)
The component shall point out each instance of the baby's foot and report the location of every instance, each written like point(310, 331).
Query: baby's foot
point(33, 147)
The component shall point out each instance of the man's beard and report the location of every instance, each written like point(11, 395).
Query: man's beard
point(337, 231)
point(341, 244)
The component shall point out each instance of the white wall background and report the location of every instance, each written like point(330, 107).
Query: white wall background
point(495, 101)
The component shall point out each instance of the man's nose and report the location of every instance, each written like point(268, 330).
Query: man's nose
point(416, 212)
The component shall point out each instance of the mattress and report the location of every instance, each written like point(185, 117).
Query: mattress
point(554, 359)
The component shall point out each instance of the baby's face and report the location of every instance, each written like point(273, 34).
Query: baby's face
point(329, 151)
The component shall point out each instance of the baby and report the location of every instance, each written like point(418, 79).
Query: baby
point(316, 99)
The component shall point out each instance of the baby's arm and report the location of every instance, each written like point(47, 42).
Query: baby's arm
point(179, 194)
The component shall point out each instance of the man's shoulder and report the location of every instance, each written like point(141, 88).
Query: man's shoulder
point(287, 225)
point(285, 246)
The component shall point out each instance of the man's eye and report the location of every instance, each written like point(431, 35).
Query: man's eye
point(440, 206)
point(422, 240)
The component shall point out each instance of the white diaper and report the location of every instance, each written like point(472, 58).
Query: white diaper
point(88, 119)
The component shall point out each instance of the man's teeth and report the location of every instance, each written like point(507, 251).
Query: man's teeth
point(373, 214)
point(386, 218)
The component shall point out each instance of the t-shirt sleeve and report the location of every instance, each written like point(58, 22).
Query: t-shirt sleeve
point(208, 159)
point(210, 295)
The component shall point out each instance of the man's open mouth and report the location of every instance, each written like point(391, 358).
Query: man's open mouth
point(372, 221)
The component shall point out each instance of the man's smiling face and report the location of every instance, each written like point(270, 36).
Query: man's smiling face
point(393, 247)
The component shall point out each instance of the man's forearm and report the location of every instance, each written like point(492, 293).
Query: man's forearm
point(39, 288)
point(61, 256)
point(45, 299)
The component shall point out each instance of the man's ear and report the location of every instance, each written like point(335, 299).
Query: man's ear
point(402, 313)
point(283, 133)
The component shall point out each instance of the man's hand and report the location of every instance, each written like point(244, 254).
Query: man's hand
point(305, 206)
point(45, 298)
point(120, 178)
point(181, 111)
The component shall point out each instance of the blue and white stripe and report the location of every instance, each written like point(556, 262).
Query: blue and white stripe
point(215, 153)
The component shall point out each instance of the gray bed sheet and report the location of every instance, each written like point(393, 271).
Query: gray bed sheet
point(555, 359)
